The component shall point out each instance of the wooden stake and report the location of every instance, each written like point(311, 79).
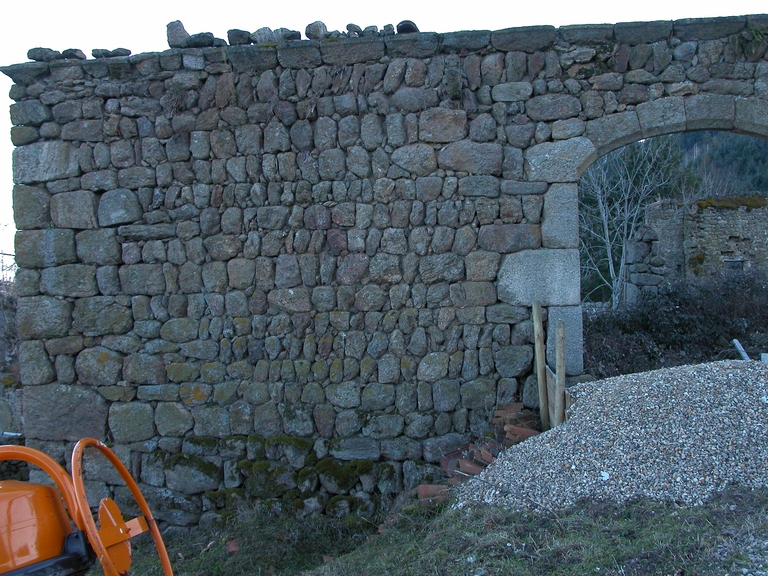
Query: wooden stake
point(560, 373)
point(541, 365)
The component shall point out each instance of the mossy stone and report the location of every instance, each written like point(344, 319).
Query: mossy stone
point(339, 478)
point(254, 447)
point(266, 480)
point(226, 499)
point(341, 506)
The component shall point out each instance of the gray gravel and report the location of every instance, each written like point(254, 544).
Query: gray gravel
point(679, 434)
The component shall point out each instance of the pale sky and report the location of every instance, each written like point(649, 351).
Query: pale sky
point(139, 25)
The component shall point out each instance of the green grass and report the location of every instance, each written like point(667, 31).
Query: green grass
point(640, 538)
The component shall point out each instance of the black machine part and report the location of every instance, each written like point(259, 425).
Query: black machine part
point(75, 560)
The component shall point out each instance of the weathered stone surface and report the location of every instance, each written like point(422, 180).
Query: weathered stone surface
point(513, 361)
point(355, 449)
point(561, 161)
point(179, 330)
point(43, 317)
point(267, 421)
point(45, 248)
point(352, 268)
point(143, 232)
point(101, 315)
point(479, 393)
point(446, 395)
point(614, 131)
point(172, 419)
point(482, 265)
point(572, 317)
point(99, 366)
point(442, 125)
point(131, 422)
point(44, 161)
point(73, 280)
point(62, 412)
point(544, 275)
point(552, 107)
point(30, 112)
point(120, 206)
point(74, 209)
point(416, 158)
point(422, 45)
point(142, 279)
point(384, 426)
point(587, 33)
point(299, 54)
point(435, 448)
point(525, 38)
point(144, 369)
point(34, 366)
point(633, 33)
point(98, 247)
point(352, 51)
point(377, 396)
point(344, 395)
point(409, 99)
point(512, 92)
point(708, 28)
point(560, 218)
point(472, 157)
point(370, 297)
point(252, 58)
point(507, 238)
point(750, 117)
point(190, 474)
point(211, 421)
point(444, 267)
point(709, 111)
point(487, 186)
point(433, 367)
point(31, 207)
point(661, 116)
point(291, 299)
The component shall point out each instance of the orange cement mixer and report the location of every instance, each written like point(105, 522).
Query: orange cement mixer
point(50, 532)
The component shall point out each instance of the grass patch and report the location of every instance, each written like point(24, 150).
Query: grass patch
point(639, 538)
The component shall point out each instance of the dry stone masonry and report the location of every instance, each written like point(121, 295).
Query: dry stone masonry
point(706, 240)
point(303, 269)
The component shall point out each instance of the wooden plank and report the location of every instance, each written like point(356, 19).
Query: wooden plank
point(541, 363)
point(551, 393)
point(560, 372)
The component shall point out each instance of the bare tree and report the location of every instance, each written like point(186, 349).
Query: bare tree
point(613, 195)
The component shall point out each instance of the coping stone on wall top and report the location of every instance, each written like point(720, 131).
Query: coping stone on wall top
point(252, 57)
point(524, 39)
point(421, 45)
point(587, 33)
point(465, 40)
point(708, 28)
point(634, 33)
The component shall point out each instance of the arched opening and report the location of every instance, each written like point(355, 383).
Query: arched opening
point(672, 240)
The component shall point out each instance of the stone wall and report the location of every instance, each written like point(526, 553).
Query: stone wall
point(306, 271)
point(721, 240)
point(704, 241)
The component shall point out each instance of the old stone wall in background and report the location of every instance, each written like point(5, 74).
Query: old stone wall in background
point(704, 241)
point(305, 271)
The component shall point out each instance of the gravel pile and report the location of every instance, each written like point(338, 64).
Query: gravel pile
point(679, 434)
